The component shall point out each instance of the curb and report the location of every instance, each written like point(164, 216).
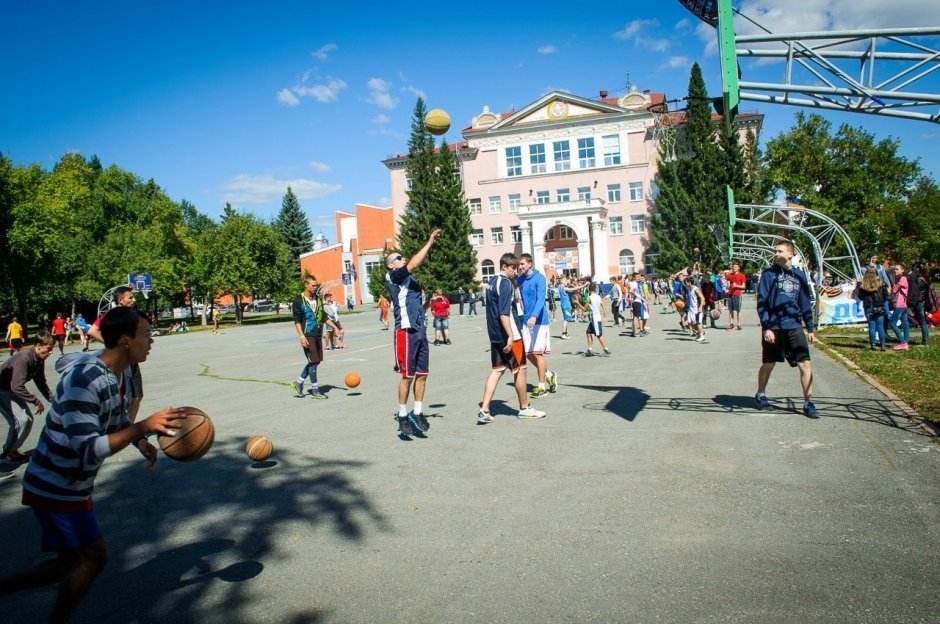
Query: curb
point(928, 426)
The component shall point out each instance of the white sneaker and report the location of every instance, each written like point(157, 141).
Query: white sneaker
point(701, 338)
point(484, 418)
point(530, 413)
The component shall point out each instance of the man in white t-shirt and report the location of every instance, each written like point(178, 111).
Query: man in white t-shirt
point(596, 323)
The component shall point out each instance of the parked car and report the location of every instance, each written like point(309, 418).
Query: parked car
point(263, 305)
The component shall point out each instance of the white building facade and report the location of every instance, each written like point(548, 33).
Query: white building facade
point(567, 179)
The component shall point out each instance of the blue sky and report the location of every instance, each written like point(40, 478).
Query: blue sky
point(234, 101)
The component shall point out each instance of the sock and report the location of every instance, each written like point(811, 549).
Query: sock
point(417, 409)
point(543, 385)
point(761, 394)
point(300, 381)
point(402, 410)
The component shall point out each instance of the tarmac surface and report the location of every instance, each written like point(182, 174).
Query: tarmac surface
point(653, 491)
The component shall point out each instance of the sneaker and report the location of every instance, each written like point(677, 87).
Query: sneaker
point(437, 342)
point(901, 346)
point(415, 424)
point(418, 422)
point(565, 337)
point(447, 342)
point(552, 378)
point(14, 457)
point(809, 410)
point(761, 401)
point(701, 338)
point(404, 429)
point(530, 413)
point(316, 394)
point(606, 352)
point(740, 328)
point(298, 388)
point(538, 392)
point(425, 425)
point(484, 418)
point(588, 353)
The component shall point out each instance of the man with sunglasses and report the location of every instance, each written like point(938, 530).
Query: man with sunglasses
point(411, 340)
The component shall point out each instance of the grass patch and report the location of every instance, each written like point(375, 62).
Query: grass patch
point(913, 375)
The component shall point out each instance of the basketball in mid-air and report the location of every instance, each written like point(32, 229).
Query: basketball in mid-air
point(258, 448)
point(716, 314)
point(193, 438)
point(437, 121)
point(352, 380)
point(680, 304)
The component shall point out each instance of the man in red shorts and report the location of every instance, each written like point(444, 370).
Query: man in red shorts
point(58, 332)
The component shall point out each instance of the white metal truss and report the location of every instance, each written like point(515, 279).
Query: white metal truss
point(880, 72)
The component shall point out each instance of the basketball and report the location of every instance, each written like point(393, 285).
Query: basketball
point(352, 380)
point(680, 304)
point(716, 314)
point(437, 122)
point(258, 448)
point(193, 438)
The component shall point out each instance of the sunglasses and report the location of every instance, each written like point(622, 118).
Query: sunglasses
point(395, 258)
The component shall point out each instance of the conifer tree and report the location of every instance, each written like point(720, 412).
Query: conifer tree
point(294, 228)
point(435, 200)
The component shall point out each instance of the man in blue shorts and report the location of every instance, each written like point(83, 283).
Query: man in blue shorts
point(411, 339)
point(87, 423)
point(506, 348)
point(784, 300)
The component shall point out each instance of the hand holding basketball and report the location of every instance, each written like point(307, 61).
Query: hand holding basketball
point(193, 437)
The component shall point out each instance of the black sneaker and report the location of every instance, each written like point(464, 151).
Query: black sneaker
point(423, 423)
point(404, 428)
point(415, 425)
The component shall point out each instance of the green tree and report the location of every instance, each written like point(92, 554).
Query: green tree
point(436, 200)
point(294, 227)
point(377, 285)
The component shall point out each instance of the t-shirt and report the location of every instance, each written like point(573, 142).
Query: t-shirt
point(500, 297)
point(440, 306)
point(595, 301)
point(58, 326)
point(309, 314)
point(16, 330)
point(406, 299)
point(736, 283)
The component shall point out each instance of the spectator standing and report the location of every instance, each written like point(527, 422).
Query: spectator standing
point(440, 310)
point(899, 294)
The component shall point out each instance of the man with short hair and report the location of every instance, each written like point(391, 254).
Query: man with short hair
point(440, 310)
point(535, 325)
point(87, 423)
point(506, 347)
point(596, 320)
point(308, 312)
point(15, 400)
point(616, 294)
point(411, 339)
point(784, 298)
point(736, 283)
point(14, 337)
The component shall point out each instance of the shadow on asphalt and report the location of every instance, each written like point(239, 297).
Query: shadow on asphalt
point(186, 529)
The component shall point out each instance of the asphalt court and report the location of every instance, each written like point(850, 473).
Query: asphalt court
point(652, 491)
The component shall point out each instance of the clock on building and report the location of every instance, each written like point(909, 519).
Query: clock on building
point(558, 110)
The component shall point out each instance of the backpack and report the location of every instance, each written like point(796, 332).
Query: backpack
point(915, 291)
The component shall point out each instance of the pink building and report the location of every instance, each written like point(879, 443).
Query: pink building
point(566, 178)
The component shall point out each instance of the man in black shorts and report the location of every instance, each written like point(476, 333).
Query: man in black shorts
point(784, 299)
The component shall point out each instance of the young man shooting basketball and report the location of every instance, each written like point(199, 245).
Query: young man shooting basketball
point(86, 424)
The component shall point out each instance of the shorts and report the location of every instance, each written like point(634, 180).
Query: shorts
point(411, 352)
point(314, 350)
point(65, 530)
point(637, 308)
point(441, 323)
point(59, 338)
point(536, 339)
point(734, 303)
point(789, 345)
point(16, 343)
point(514, 360)
point(595, 328)
point(566, 314)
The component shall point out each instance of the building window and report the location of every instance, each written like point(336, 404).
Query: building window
point(537, 158)
point(636, 191)
point(616, 225)
point(476, 237)
point(563, 195)
point(513, 161)
point(611, 145)
point(496, 235)
point(637, 224)
point(565, 233)
point(496, 204)
point(613, 192)
point(586, 153)
point(627, 262)
point(550, 235)
point(515, 201)
point(541, 197)
point(408, 181)
point(476, 206)
point(489, 269)
point(648, 264)
point(562, 152)
point(515, 232)
point(584, 193)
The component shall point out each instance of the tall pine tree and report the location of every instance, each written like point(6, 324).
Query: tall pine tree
point(294, 228)
point(436, 200)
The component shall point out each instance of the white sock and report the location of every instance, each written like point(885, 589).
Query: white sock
point(300, 381)
point(417, 409)
point(402, 410)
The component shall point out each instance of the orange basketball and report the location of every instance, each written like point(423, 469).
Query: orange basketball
point(352, 380)
point(259, 448)
point(193, 438)
point(680, 304)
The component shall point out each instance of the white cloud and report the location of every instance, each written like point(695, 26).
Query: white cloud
point(547, 49)
point(385, 132)
point(323, 93)
point(316, 165)
point(415, 91)
point(632, 29)
point(324, 51)
point(683, 24)
point(265, 189)
point(653, 44)
point(379, 95)
point(676, 62)
point(284, 96)
point(381, 118)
